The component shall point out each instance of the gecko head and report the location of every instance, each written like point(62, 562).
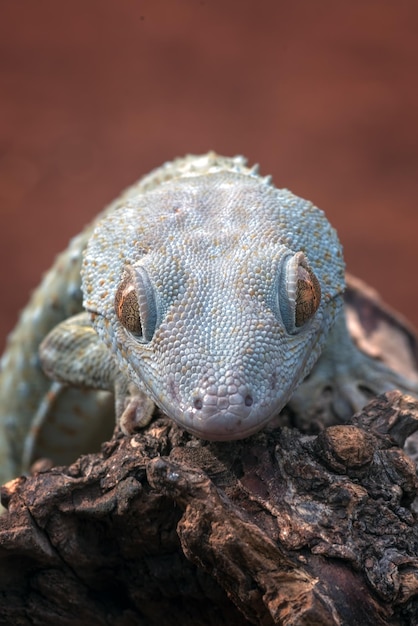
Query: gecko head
point(215, 293)
point(221, 365)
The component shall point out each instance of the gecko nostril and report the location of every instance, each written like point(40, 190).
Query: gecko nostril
point(248, 400)
point(198, 404)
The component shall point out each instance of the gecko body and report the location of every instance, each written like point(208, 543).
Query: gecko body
point(204, 290)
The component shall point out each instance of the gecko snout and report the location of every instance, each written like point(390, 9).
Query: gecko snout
point(221, 411)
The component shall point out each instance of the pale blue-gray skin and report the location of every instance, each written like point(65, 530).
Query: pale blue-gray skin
point(215, 257)
point(207, 291)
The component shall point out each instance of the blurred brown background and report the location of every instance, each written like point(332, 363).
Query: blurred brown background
point(323, 94)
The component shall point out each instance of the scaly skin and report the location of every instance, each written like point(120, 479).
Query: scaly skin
point(208, 292)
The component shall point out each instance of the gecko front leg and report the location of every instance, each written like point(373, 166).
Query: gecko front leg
point(342, 381)
point(72, 353)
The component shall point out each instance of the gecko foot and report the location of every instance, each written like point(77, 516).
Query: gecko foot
point(342, 382)
point(137, 410)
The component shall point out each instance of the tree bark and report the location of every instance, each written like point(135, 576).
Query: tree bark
point(281, 528)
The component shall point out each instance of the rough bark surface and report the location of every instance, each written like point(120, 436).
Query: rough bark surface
point(284, 527)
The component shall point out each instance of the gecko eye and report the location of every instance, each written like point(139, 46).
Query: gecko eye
point(299, 293)
point(135, 303)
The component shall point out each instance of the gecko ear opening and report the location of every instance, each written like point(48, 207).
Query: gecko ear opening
point(135, 304)
point(299, 293)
